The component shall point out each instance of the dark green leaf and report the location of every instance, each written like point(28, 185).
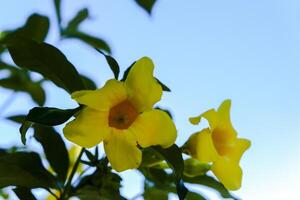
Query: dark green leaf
point(57, 4)
point(19, 81)
point(24, 193)
point(17, 118)
point(55, 150)
point(25, 170)
point(90, 40)
point(210, 182)
point(127, 72)
point(150, 157)
point(151, 193)
point(193, 167)
point(101, 184)
point(194, 196)
point(77, 20)
point(113, 64)
point(23, 130)
point(147, 5)
point(163, 86)
point(46, 60)
point(89, 84)
point(173, 156)
point(36, 28)
point(45, 116)
point(50, 116)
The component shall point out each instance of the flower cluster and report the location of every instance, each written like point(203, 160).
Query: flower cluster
point(121, 115)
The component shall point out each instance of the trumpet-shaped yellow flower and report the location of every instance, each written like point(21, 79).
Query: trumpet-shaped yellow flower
point(219, 145)
point(121, 114)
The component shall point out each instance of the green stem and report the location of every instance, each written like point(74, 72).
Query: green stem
point(66, 191)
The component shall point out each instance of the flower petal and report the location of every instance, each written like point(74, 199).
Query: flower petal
point(88, 129)
point(228, 173)
point(121, 150)
point(224, 115)
point(143, 89)
point(206, 151)
point(154, 127)
point(112, 93)
point(211, 116)
point(241, 145)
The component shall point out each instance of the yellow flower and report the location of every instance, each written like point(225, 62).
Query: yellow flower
point(121, 114)
point(219, 144)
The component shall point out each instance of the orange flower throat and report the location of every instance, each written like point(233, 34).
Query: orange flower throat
point(122, 115)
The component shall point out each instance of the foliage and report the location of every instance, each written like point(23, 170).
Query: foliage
point(164, 169)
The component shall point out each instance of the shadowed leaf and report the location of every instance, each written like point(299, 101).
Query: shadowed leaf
point(35, 28)
point(77, 20)
point(147, 5)
point(46, 60)
point(26, 170)
point(50, 116)
point(210, 182)
point(173, 156)
point(93, 41)
point(24, 193)
point(55, 150)
point(113, 64)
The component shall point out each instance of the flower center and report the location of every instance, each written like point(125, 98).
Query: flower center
point(121, 116)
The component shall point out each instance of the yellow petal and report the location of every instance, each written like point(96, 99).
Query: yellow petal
point(206, 151)
point(241, 145)
point(228, 173)
point(210, 115)
point(88, 129)
point(121, 150)
point(154, 127)
point(224, 135)
point(224, 115)
point(143, 89)
point(112, 93)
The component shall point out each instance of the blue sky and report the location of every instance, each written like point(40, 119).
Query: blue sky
point(205, 51)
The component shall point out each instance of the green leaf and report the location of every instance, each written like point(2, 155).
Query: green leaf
point(57, 5)
point(46, 60)
point(93, 41)
point(151, 193)
point(210, 182)
point(102, 184)
point(55, 150)
point(45, 116)
point(163, 86)
point(194, 196)
point(77, 20)
point(24, 193)
point(127, 72)
point(26, 170)
point(50, 116)
point(150, 157)
point(113, 64)
point(35, 28)
point(89, 84)
point(173, 156)
point(19, 80)
point(147, 5)
point(193, 167)
point(23, 130)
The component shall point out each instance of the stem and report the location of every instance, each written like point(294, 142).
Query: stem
point(67, 188)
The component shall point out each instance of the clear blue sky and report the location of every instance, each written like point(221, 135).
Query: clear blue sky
point(205, 51)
